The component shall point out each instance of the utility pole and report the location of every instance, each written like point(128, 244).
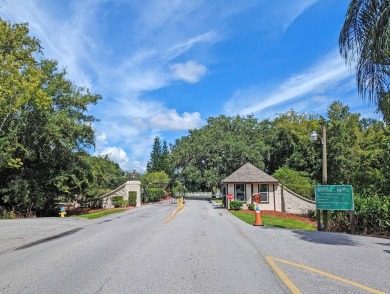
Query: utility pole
point(324, 173)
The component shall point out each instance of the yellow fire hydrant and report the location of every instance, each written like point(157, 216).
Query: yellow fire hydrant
point(62, 212)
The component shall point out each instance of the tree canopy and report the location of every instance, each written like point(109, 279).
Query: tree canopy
point(356, 148)
point(45, 130)
point(206, 155)
point(158, 157)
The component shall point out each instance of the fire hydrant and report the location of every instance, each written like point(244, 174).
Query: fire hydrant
point(62, 212)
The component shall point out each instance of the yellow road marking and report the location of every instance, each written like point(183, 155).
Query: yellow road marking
point(271, 259)
point(177, 211)
point(282, 276)
point(169, 218)
point(181, 210)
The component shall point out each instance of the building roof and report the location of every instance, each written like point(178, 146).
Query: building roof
point(248, 173)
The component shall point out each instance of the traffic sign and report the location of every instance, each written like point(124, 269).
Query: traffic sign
point(230, 196)
point(334, 197)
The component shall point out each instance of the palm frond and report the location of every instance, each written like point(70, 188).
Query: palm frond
point(364, 44)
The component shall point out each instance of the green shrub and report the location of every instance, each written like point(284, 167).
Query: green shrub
point(371, 216)
point(298, 182)
point(235, 205)
point(132, 198)
point(251, 206)
point(122, 203)
point(4, 214)
point(118, 201)
point(154, 194)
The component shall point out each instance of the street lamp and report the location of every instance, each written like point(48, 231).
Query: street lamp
point(313, 136)
point(134, 171)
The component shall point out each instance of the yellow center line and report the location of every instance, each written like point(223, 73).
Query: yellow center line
point(282, 276)
point(181, 210)
point(271, 259)
point(177, 211)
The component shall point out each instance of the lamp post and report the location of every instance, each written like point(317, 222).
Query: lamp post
point(313, 136)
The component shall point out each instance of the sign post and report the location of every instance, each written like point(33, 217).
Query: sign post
point(230, 197)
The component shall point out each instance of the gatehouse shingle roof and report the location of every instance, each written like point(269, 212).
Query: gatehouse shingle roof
point(248, 173)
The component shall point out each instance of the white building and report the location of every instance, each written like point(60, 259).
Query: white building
point(249, 180)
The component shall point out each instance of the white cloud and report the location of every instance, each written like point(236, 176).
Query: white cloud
point(118, 155)
point(326, 74)
point(321, 98)
point(181, 47)
point(150, 79)
point(191, 71)
point(293, 10)
point(63, 38)
point(171, 120)
point(101, 139)
point(141, 57)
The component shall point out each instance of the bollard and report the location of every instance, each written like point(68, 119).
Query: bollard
point(180, 203)
point(258, 221)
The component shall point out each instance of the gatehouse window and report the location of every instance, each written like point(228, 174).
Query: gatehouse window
point(224, 190)
point(240, 192)
point(263, 192)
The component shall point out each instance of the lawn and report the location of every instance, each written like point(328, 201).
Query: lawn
point(101, 213)
point(273, 221)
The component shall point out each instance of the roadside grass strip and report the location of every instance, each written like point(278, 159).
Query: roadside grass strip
point(98, 214)
point(294, 288)
point(273, 221)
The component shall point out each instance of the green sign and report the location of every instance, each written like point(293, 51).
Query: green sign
point(334, 197)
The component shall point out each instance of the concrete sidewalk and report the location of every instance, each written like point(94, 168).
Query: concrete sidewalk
point(19, 232)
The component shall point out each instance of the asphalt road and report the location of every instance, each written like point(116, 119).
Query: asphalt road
point(200, 250)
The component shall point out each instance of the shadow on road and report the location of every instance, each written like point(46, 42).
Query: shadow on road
point(326, 238)
point(385, 244)
point(44, 240)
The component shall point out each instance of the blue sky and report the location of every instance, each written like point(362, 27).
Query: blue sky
point(164, 67)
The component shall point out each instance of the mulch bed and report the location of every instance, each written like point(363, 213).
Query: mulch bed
point(284, 215)
point(78, 211)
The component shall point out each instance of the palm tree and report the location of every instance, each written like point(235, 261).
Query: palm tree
point(365, 44)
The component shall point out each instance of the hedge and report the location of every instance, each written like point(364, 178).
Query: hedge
point(132, 198)
point(118, 201)
point(236, 205)
point(154, 194)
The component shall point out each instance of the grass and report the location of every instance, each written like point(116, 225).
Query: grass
point(97, 214)
point(219, 201)
point(273, 221)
